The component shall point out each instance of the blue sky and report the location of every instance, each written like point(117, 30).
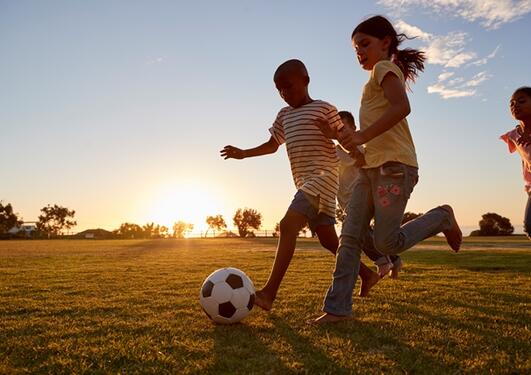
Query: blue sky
point(119, 109)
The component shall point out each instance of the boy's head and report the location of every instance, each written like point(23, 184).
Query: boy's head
point(347, 119)
point(291, 79)
point(520, 104)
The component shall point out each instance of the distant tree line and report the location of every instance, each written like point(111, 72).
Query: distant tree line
point(55, 220)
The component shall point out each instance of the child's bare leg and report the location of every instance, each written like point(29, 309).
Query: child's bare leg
point(290, 226)
point(328, 239)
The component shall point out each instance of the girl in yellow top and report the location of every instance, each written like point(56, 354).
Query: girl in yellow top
point(385, 183)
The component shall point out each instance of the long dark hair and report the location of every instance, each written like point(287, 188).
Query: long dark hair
point(410, 61)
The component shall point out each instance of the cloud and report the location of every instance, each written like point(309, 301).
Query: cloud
point(446, 50)
point(484, 60)
point(490, 13)
point(451, 52)
point(156, 60)
point(449, 93)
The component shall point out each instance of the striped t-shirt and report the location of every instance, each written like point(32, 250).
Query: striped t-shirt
point(313, 157)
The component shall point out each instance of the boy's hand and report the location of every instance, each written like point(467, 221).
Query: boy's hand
point(360, 161)
point(349, 138)
point(323, 125)
point(231, 152)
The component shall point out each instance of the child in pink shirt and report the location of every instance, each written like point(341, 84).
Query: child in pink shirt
point(519, 139)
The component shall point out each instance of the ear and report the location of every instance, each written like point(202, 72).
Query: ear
point(386, 42)
point(307, 80)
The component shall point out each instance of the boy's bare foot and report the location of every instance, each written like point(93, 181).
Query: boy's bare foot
point(454, 237)
point(262, 300)
point(397, 266)
point(329, 318)
point(384, 269)
point(368, 282)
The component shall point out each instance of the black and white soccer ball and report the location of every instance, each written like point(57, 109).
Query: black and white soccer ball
point(227, 295)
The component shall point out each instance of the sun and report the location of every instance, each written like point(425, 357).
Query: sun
point(189, 202)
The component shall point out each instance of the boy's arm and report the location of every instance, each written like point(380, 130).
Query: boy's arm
point(231, 152)
point(398, 109)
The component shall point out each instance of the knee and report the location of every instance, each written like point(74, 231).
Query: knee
point(384, 245)
point(329, 243)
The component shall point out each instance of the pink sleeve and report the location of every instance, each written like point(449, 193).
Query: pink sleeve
point(509, 140)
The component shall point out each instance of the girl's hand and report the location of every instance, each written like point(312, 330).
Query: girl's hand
point(323, 125)
point(350, 139)
point(524, 139)
point(231, 152)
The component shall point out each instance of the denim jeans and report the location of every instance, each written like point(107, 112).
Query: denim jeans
point(380, 193)
point(527, 217)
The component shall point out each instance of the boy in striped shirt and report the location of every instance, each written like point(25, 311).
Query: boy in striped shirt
point(314, 166)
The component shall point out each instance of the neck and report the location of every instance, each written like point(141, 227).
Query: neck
point(304, 101)
point(525, 125)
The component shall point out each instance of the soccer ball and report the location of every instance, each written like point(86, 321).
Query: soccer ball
point(227, 295)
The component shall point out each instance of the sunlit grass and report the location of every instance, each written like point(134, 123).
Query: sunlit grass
point(132, 306)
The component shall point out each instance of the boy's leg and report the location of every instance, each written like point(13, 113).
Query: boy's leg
point(527, 217)
point(328, 239)
point(290, 225)
point(392, 186)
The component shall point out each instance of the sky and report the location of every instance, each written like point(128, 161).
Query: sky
point(118, 109)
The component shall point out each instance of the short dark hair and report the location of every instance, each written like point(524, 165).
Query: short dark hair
point(348, 116)
point(292, 65)
point(523, 90)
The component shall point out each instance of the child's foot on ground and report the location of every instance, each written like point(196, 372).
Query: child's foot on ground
point(454, 237)
point(397, 266)
point(368, 282)
point(262, 300)
point(329, 318)
point(384, 269)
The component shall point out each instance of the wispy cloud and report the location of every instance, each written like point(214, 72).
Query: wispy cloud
point(156, 60)
point(490, 13)
point(451, 52)
point(484, 60)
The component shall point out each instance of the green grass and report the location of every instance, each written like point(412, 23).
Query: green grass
point(132, 307)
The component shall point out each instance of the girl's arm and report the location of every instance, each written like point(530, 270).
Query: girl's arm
point(398, 109)
point(268, 147)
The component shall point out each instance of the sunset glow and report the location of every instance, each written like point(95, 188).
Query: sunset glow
point(183, 201)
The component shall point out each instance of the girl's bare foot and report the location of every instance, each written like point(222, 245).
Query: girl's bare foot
point(454, 237)
point(329, 318)
point(262, 300)
point(368, 282)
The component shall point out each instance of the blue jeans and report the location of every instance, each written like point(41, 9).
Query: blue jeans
point(527, 217)
point(380, 193)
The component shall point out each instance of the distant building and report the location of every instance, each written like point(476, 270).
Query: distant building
point(26, 229)
point(95, 234)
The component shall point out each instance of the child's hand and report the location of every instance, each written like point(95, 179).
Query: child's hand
point(524, 139)
point(349, 138)
point(231, 152)
point(323, 125)
point(360, 161)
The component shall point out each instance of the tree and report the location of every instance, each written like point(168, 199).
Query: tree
point(215, 223)
point(55, 219)
point(129, 230)
point(276, 231)
point(163, 231)
point(8, 219)
point(180, 229)
point(246, 219)
point(408, 216)
point(340, 215)
point(150, 230)
point(493, 224)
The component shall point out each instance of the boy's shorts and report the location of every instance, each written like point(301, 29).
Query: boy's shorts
point(308, 205)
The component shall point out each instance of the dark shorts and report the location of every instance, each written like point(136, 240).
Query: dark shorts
point(308, 205)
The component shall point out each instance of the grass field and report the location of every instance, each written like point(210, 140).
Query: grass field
point(132, 307)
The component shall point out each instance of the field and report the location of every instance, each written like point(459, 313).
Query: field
point(132, 307)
